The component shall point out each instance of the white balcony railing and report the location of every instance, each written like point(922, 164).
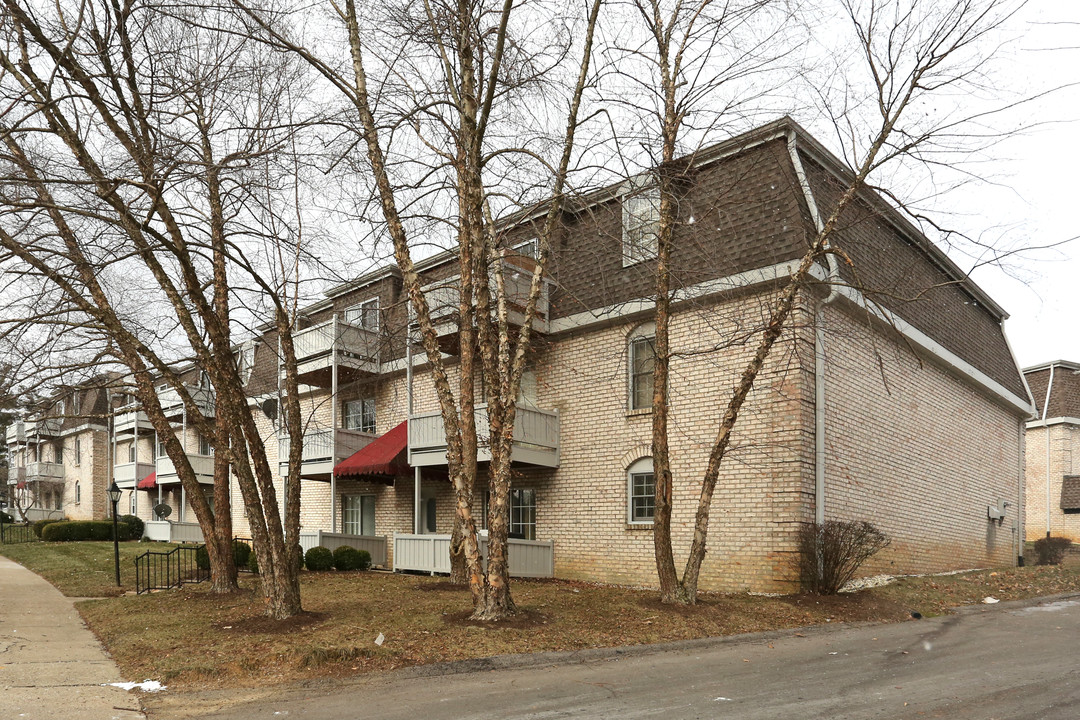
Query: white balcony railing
point(324, 447)
point(536, 437)
point(443, 296)
point(16, 432)
point(48, 427)
point(130, 421)
point(203, 465)
point(128, 474)
point(173, 405)
point(354, 348)
point(44, 472)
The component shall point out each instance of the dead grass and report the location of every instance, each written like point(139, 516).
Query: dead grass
point(190, 638)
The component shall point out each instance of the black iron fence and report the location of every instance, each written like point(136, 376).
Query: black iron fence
point(16, 533)
point(163, 570)
point(242, 558)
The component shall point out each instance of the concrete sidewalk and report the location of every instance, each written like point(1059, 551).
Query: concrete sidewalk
point(51, 665)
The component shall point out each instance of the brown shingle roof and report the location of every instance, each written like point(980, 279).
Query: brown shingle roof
point(1070, 492)
point(1064, 396)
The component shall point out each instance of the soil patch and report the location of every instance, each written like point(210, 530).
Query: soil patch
point(522, 620)
point(862, 606)
point(442, 586)
point(261, 624)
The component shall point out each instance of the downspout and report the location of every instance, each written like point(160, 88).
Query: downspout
point(819, 337)
point(333, 422)
point(408, 429)
point(1046, 431)
point(1021, 501)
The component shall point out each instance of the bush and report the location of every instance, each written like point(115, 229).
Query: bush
point(40, 525)
point(253, 563)
point(830, 553)
point(349, 558)
point(319, 558)
point(1051, 550)
point(135, 523)
point(79, 530)
point(202, 558)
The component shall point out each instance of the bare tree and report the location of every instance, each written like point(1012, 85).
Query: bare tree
point(450, 103)
point(909, 52)
point(144, 168)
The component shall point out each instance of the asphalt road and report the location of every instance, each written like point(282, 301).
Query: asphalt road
point(987, 663)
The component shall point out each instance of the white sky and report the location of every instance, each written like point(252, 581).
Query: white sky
point(1041, 293)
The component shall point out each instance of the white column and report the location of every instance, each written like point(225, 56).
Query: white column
point(418, 526)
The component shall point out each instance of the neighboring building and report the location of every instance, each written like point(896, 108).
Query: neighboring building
point(59, 455)
point(893, 399)
point(1053, 451)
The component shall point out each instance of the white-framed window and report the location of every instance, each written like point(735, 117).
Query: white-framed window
point(358, 514)
point(640, 222)
point(78, 452)
point(75, 403)
point(60, 408)
point(58, 451)
point(641, 360)
point(208, 493)
point(360, 415)
point(159, 446)
point(522, 513)
point(205, 447)
point(78, 492)
point(530, 248)
point(133, 506)
point(131, 451)
point(366, 314)
point(640, 492)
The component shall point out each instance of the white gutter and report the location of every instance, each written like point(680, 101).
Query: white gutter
point(819, 337)
point(1046, 406)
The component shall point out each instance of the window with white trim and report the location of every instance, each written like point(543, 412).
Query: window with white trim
point(131, 452)
point(641, 359)
point(360, 415)
point(75, 403)
point(640, 492)
point(133, 506)
point(522, 513)
point(640, 223)
point(78, 452)
point(205, 446)
point(358, 514)
point(160, 447)
point(58, 452)
point(78, 492)
point(366, 314)
point(529, 248)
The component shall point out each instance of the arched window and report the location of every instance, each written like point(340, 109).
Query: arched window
point(78, 492)
point(641, 359)
point(640, 492)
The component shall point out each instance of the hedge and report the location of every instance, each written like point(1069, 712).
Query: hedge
point(319, 558)
point(78, 530)
point(40, 525)
point(135, 523)
point(349, 558)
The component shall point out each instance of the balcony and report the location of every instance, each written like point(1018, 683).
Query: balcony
point(16, 433)
point(323, 449)
point(443, 297)
point(356, 350)
point(46, 428)
point(203, 465)
point(128, 474)
point(173, 405)
point(44, 472)
point(131, 422)
point(536, 438)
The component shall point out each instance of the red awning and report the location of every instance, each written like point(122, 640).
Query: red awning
point(385, 455)
point(21, 485)
point(149, 482)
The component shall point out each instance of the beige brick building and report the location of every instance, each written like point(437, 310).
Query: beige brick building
point(1053, 457)
point(892, 397)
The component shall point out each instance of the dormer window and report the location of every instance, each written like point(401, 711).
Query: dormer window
point(529, 248)
point(366, 314)
point(640, 222)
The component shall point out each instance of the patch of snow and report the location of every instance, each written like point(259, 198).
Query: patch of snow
point(1051, 607)
point(989, 600)
point(721, 699)
point(145, 686)
point(867, 582)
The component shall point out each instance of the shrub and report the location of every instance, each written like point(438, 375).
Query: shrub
point(253, 563)
point(319, 558)
point(202, 558)
point(1051, 550)
point(346, 558)
point(40, 525)
point(135, 523)
point(78, 530)
point(830, 553)
point(241, 552)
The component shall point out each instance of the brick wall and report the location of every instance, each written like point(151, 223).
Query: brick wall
point(917, 452)
point(1064, 449)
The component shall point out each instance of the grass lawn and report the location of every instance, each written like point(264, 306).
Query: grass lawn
point(82, 569)
point(190, 638)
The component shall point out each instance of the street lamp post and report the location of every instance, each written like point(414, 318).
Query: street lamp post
point(114, 497)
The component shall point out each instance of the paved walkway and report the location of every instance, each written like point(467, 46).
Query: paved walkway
point(51, 665)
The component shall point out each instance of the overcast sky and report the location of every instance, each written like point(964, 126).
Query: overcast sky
point(1040, 196)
